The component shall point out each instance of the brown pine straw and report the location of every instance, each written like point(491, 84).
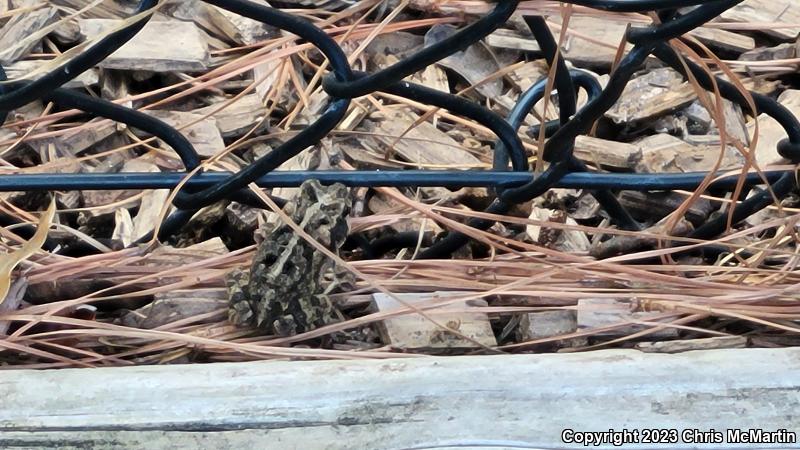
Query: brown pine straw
point(520, 277)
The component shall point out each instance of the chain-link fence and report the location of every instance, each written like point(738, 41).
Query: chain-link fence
point(511, 179)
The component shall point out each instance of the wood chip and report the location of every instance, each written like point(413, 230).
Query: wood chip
point(546, 324)
point(171, 256)
point(99, 199)
point(528, 74)
point(735, 124)
point(782, 51)
point(783, 12)
point(169, 307)
point(221, 23)
point(608, 154)
point(658, 92)
point(20, 34)
point(595, 313)
point(108, 9)
point(687, 345)
point(771, 132)
point(657, 205)
point(414, 332)
point(512, 40)
point(666, 153)
point(186, 49)
point(723, 39)
point(424, 144)
point(204, 134)
point(593, 41)
point(82, 138)
point(570, 241)
point(21, 68)
point(474, 64)
point(237, 118)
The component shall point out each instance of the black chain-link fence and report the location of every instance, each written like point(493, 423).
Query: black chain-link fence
point(511, 178)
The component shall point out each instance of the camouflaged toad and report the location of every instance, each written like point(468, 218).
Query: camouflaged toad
point(285, 293)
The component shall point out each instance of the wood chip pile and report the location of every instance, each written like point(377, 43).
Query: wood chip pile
point(554, 275)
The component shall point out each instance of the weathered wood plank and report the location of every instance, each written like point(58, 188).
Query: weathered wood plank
point(410, 403)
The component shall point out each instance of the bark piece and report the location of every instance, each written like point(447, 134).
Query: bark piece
point(657, 205)
point(622, 245)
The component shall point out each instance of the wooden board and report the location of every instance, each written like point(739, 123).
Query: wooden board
point(527, 400)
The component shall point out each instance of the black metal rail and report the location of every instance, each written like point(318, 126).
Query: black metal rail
point(510, 178)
